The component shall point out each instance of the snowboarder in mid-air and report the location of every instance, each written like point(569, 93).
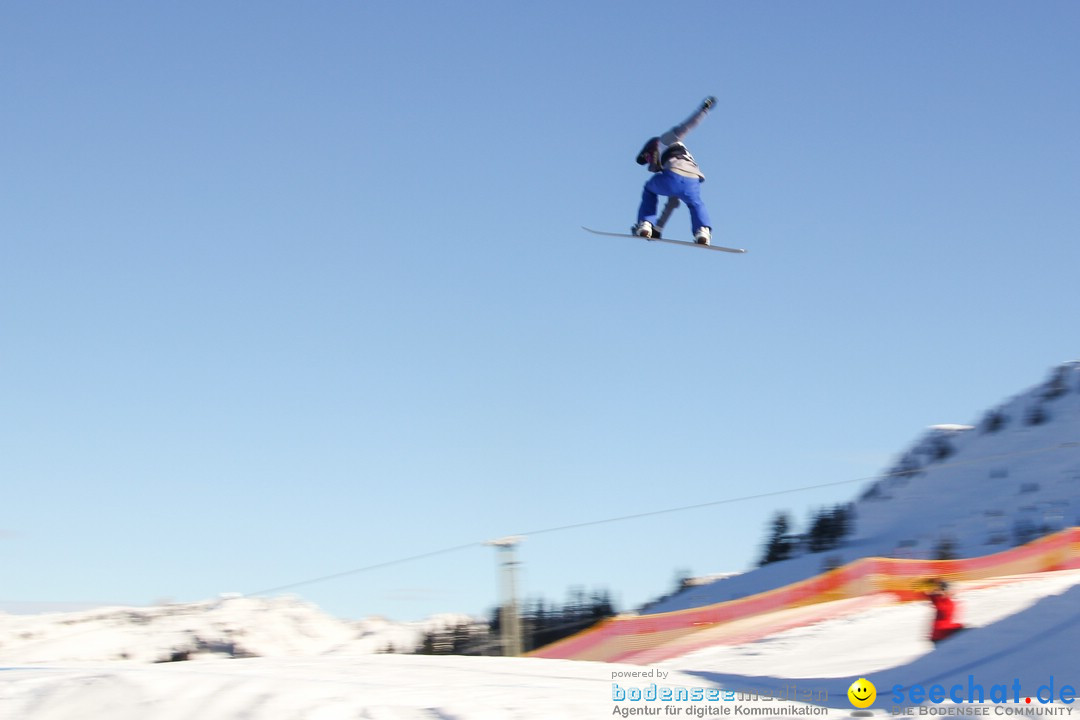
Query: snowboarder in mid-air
point(944, 611)
point(677, 176)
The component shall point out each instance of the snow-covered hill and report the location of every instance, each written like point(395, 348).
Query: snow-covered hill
point(1010, 476)
point(229, 626)
point(1026, 631)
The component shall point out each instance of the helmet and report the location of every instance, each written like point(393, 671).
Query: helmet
point(650, 155)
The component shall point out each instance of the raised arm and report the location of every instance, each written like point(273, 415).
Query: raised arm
point(677, 133)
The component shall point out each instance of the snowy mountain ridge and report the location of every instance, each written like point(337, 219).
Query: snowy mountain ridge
point(231, 626)
point(1009, 479)
point(958, 490)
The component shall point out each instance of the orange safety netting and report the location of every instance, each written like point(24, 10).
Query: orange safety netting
point(644, 639)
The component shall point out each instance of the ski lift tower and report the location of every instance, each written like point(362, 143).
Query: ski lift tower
point(510, 619)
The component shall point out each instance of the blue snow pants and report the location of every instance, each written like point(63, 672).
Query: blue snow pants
point(672, 184)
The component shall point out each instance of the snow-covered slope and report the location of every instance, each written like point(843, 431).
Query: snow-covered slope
point(1005, 615)
point(1013, 476)
point(1028, 630)
point(1009, 477)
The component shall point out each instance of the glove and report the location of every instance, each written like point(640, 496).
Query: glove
point(708, 104)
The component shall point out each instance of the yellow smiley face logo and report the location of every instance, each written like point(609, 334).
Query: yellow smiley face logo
point(862, 693)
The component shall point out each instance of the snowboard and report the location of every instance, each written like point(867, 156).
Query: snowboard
point(665, 240)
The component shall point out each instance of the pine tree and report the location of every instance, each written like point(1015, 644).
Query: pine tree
point(945, 549)
point(779, 545)
point(820, 536)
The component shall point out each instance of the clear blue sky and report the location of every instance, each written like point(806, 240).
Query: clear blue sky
point(288, 289)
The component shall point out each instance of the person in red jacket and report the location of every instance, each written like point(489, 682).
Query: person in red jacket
point(945, 611)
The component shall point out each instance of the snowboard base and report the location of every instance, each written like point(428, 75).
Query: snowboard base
point(666, 240)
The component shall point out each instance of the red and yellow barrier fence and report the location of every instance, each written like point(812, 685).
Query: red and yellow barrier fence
point(651, 638)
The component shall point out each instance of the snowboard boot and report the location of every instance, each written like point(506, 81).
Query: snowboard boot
point(703, 236)
point(644, 229)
